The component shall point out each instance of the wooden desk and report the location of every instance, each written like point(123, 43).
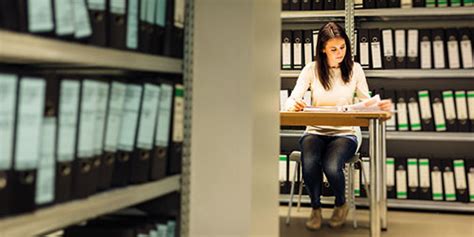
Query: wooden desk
point(377, 152)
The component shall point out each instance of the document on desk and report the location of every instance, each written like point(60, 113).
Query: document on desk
point(370, 105)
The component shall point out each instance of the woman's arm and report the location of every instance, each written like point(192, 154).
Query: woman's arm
point(294, 102)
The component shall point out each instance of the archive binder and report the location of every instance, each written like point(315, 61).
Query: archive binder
point(159, 161)
point(438, 111)
point(82, 25)
point(436, 179)
point(67, 136)
point(318, 5)
point(283, 174)
point(306, 5)
point(98, 16)
point(63, 19)
point(118, 23)
point(315, 42)
point(402, 111)
point(308, 46)
point(160, 25)
point(369, 4)
point(297, 49)
point(329, 5)
point(448, 180)
point(466, 47)
point(388, 55)
point(286, 49)
point(375, 48)
point(413, 60)
point(392, 122)
point(425, 109)
point(365, 165)
point(462, 194)
point(394, 3)
point(9, 84)
point(176, 25)
point(339, 5)
point(381, 4)
point(413, 111)
point(364, 48)
point(132, 25)
point(400, 48)
point(425, 49)
point(450, 111)
point(418, 3)
point(452, 45)
point(145, 31)
point(30, 110)
point(285, 5)
point(141, 156)
point(470, 105)
point(413, 184)
point(9, 19)
point(401, 176)
point(295, 5)
point(470, 178)
point(177, 134)
point(461, 111)
point(438, 48)
point(391, 190)
point(424, 171)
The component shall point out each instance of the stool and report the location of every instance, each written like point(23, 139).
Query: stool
point(350, 196)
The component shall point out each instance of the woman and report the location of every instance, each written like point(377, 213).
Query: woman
point(333, 80)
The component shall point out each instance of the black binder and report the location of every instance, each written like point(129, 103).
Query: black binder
point(365, 181)
point(297, 49)
point(286, 50)
point(132, 25)
point(400, 48)
point(470, 105)
point(425, 110)
point(375, 49)
point(98, 15)
point(426, 61)
point(452, 46)
point(159, 161)
point(177, 132)
point(283, 174)
point(307, 46)
point(174, 32)
point(470, 178)
point(145, 31)
point(141, 156)
point(63, 19)
point(31, 96)
point(285, 5)
point(449, 182)
point(364, 48)
point(9, 84)
point(117, 24)
point(413, 181)
point(82, 24)
point(401, 177)
point(462, 112)
point(438, 111)
point(439, 51)
point(391, 187)
point(413, 58)
point(369, 4)
point(128, 130)
point(295, 5)
point(466, 44)
point(340, 5)
point(414, 110)
point(462, 193)
point(329, 4)
point(450, 111)
point(424, 173)
point(306, 5)
point(159, 36)
point(402, 111)
point(394, 3)
point(36, 17)
point(69, 99)
point(9, 11)
point(388, 53)
point(381, 4)
point(318, 5)
point(436, 176)
point(418, 3)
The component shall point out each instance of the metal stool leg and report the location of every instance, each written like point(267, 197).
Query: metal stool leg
point(300, 193)
point(352, 196)
point(292, 190)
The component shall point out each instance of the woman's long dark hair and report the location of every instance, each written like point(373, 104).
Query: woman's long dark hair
point(329, 31)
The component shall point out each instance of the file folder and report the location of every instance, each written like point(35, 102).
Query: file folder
point(160, 25)
point(365, 164)
point(462, 194)
point(36, 16)
point(425, 187)
point(356, 49)
point(470, 105)
point(438, 111)
point(388, 55)
point(394, 3)
point(413, 184)
point(132, 25)
point(67, 132)
point(329, 5)
point(375, 48)
point(286, 49)
point(339, 5)
point(140, 160)
point(448, 180)
point(306, 5)
point(438, 48)
point(315, 42)
point(308, 46)
point(159, 160)
point(461, 111)
point(418, 3)
point(146, 29)
point(400, 48)
point(454, 62)
point(318, 5)
point(177, 134)
point(401, 175)
point(127, 134)
point(364, 48)
point(45, 180)
point(391, 190)
point(369, 3)
point(391, 124)
point(413, 111)
point(425, 109)
point(9, 85)
point(283, 174)
point(450, 111)
point(63, 18)
point(381, 4)
point(470, 178)
point(174, 29)
point(295, 5)
point(297, 49)
point(425, 49)
point(98, 16)
point(118, 24)
point(436, 179)
point(412, 49)
point(402, 111)
point(82, 25)
point(83, 180)
point(285, 5)
point(30, 110)
point(466, 47)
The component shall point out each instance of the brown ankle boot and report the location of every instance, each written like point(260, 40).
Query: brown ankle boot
point(339, 216)
point(314, 221)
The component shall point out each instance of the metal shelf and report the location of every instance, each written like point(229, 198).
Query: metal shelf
point(30, 49)
point(415, 136)
point(62, 215)
point(403, 73)
point(396, 203)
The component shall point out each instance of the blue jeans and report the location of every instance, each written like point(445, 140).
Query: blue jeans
point(326, 154)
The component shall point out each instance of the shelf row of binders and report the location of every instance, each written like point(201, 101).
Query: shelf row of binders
point(389, 48)
point(307, 5)
point(434, 179)
point(152, 27)
point(423, 110)
point(66, 137)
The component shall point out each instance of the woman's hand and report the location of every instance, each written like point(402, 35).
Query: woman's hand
point(385, 105)
point(298, 106)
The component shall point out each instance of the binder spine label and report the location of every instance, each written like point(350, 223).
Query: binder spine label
point(387, 43)
point(178, 120)
point(461, 106)
point(439, 120)
point(118, 6)
point(286, 51)
point(466, 53)
point(415, 123)
point(390, 163)
point(164, 116)
point(392, 123)
point(297, 64)
point(425, 51)
point(315, 42)
point(30, 121)
point(449, 192)
point(424, 169)
point(132, 24)
point(291, 170)
point(438, 49)
point(114, 116)
point(8, 87)
point(148, 113)
point(460, 174)
point(150, 11)
point(307, 53)
point(64, 17)
point(171, 228)
point(82, 25)
point(68, 114)
point(412, 43)
point(437, 188)
point(400, 50)
point(470, 178)
point(103, 95)
point(46, 167)
point(87, 119)
point(98, 5)
point(453, 54)
point(402, 116)
point(131, 107)
point(143, 10)
point(449, 105)
point(376, 55)
point(40, 16)
point(470, 102)
point(401, 184)
point(161, 13)
point(425, 104)
point(364, 54)
point(179, 13)
point(283, 98)
point(282, 166)
point(412, 173)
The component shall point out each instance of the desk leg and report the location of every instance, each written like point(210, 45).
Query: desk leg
point(383, 155)
point(374, 153)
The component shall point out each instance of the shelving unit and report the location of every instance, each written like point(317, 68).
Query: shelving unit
point(404, 73)
point(62, 215)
